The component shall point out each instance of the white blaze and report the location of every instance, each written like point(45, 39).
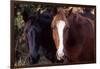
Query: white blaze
point(60, 27)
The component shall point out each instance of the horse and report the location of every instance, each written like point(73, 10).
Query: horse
point(31, 34)
point(38, 35)
point(46, 39)
point(74, 37)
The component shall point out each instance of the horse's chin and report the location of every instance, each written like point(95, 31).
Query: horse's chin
point(63, 59)
point(59, 58)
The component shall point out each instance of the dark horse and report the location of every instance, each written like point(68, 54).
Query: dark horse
point(31, 32)
point(39, 35)
point(74, 37)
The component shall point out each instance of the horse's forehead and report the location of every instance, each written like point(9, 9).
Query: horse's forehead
point(60, 9)
point(61, 21)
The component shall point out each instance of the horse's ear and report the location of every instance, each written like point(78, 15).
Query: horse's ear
point(70, 11)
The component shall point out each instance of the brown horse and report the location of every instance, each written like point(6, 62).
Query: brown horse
point(74, 37)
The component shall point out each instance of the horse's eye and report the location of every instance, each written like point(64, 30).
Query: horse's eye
point(54, 28)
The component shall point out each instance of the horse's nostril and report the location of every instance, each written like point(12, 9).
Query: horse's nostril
point(63, 57)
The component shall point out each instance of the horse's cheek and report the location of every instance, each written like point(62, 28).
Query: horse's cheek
point(55, 37)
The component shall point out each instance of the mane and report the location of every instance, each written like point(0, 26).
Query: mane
point(76, 18)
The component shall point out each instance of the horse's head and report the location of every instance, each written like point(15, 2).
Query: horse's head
point(60, 28)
